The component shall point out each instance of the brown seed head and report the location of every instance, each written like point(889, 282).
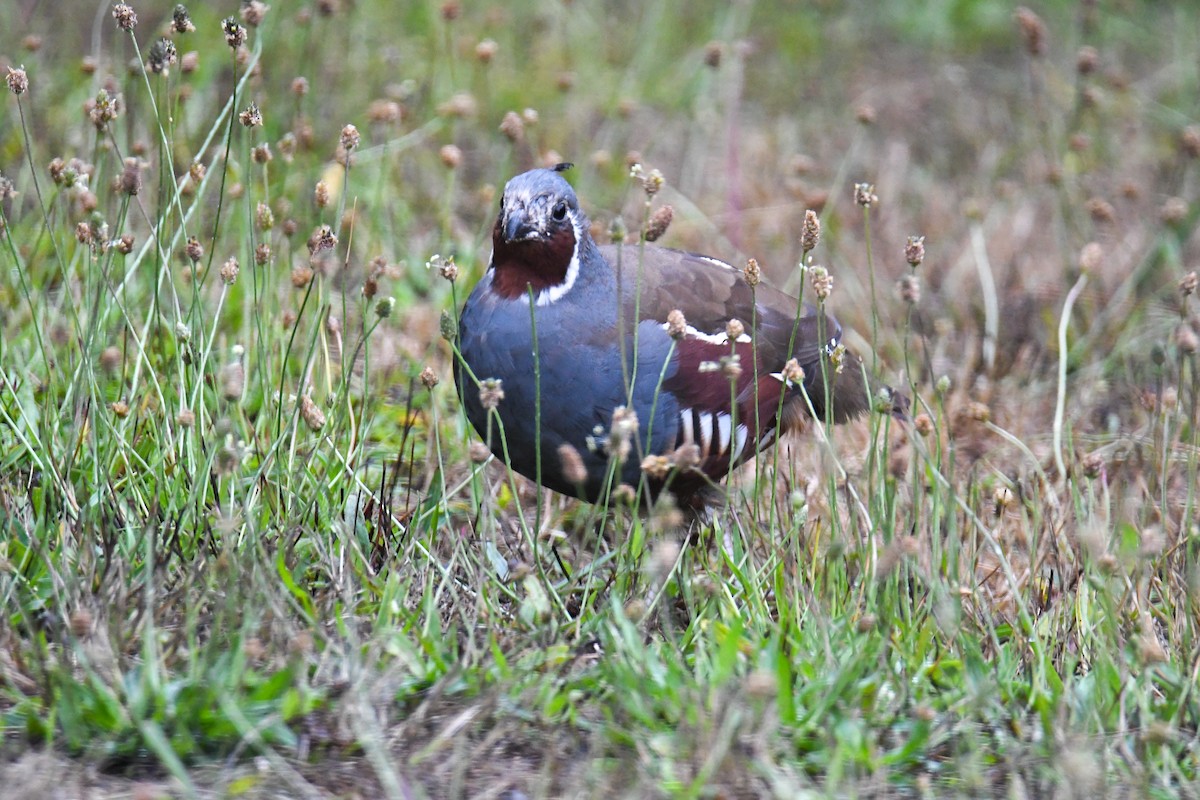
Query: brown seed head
point(676, 324)
point(1092, 465)
point(429, 378)
point(512, 126)
point(233, 376)
point(460, 105)
point(181, 21)
point(1187, 284)
point(253, 12)
point(322, 239)
point(622, 433)
point(230, 270)
point(125, 244)
point(914, 250)
point(1174, 211)
point(656, 467)
point(1033, 31)
point(264, 217)
point(261, 154)
point(659, 221)
point(84, 234)
point(478, 452)
point(923, 424)
point(262, 253)
point(1189, 141)
point(572, 465)
point(235, 34)
point(120, 408)
point(910, 289)
point(864, 195)
point(18, 81)
point(125, 16)
point(792, 372)
point(301, 276)
point(752, 272)
point(194, 250)
point(1087, 60)
point(810, 234)
point(1091, 257)
point(313, 417)
point(350, 138)
point(103, 109)
point(251, 117)
point(321, 194)
point(161, 56)
point(451, 156)
point(1101, 210)
point(712, 54)
point(131, 176)
point(734, 330)
point(491, 392)
point(822, 281)
point(445, 267)
point(486, 50)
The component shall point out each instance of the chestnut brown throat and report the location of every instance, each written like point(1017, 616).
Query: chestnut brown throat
point(545, 264)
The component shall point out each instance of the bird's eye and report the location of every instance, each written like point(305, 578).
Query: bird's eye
point(560, 211)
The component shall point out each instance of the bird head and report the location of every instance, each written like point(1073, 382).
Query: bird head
point(537, 236)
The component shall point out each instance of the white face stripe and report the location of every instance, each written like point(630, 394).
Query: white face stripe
point(556, 293)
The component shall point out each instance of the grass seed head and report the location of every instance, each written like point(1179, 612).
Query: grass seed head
point(235, 34)
point(181, 21)
point(491, 392)
point(659, 221)
point(253, 12)
point(162, 56)
point(131, 177)
point(752, 272)
point(125, 16)
point(914, 250)
point(251, 117)
point(1033, 31)
point(822, 282)
point(312, 415)
point(572, 464)
point(864, 195)
point(512, 126)
point(17, 80)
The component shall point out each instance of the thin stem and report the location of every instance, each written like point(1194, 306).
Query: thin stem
point(1060, 407)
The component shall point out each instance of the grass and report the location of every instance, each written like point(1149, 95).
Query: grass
point(248, 548)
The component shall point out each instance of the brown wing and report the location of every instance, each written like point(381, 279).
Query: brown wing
point(712, 292)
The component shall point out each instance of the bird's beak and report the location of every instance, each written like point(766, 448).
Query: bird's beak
point(517, 227)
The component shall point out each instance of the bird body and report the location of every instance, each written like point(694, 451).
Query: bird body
point(607, 338)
